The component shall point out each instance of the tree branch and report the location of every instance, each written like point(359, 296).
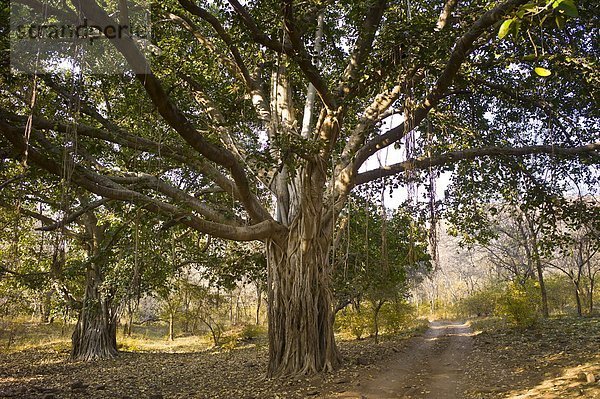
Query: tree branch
point(74, 216)
point(463, 46)
point(442, 21)
point(362, 47)
point(115, 134)
point(294, 49)
point(173, 115)
point(38, 216)
point(515, 94)
point(103, 186)
point(254, 88)
point(470, 154)
point(144, 180)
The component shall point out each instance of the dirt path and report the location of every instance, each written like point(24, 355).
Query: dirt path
point(431, 366)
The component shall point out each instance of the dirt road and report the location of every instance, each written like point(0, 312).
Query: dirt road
point(430, 367)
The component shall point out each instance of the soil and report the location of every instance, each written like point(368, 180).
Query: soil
point(432, 366)
point(557, 359)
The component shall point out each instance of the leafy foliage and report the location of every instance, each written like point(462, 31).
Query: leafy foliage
point(519, 304)
point(378, 256)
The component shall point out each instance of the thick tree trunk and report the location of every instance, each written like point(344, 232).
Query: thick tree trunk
point(95, 335)
point(301, 316)
point(300, 310)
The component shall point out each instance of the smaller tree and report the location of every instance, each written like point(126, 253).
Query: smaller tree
point(578, 250)
point(375, 254)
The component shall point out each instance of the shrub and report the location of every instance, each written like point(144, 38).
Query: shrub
point(480, 303)
point(355, 322)
point(251, 331)
point(519, 303)
point(397, 316)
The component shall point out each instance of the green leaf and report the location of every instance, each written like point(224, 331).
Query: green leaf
point(560, 22)
point(530, 7)
point(515, 28)
point(542, 71)
point(505, 28)
point(566, 6)
point(529, 57)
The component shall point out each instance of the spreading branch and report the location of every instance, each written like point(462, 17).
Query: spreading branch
point(473, 153)
point(105, 187)
point(173, 115)
point(362, 47)
point(463, 46)
point(254, 88)
point(74, 216)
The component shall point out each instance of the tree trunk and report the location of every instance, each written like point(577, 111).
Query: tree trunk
point(301, 316)
point(300, 310)
point(95, 335)
point(591, 296)
point(45, 305)
point(186, 313)
point(258, 301)
point(130, 322)
point(171, 326)
point(544, 294)
point(377, 308)
point(577, 298)
point(540, 276)
point(534, 252)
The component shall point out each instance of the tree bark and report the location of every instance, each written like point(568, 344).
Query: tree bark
point(591, 296)
point(301, 339)
point(258, 302)
point(129, 325)
point(538, 265)
point(95, 335)
point(376, 310)
point(45, 305)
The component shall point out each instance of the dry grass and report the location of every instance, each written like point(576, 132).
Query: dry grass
point(20, 335)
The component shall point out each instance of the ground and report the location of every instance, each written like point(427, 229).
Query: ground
point(550, 361)
point(450, 360)
point(431, 365)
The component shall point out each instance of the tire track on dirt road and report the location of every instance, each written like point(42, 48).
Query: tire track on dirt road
point(431, 366)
